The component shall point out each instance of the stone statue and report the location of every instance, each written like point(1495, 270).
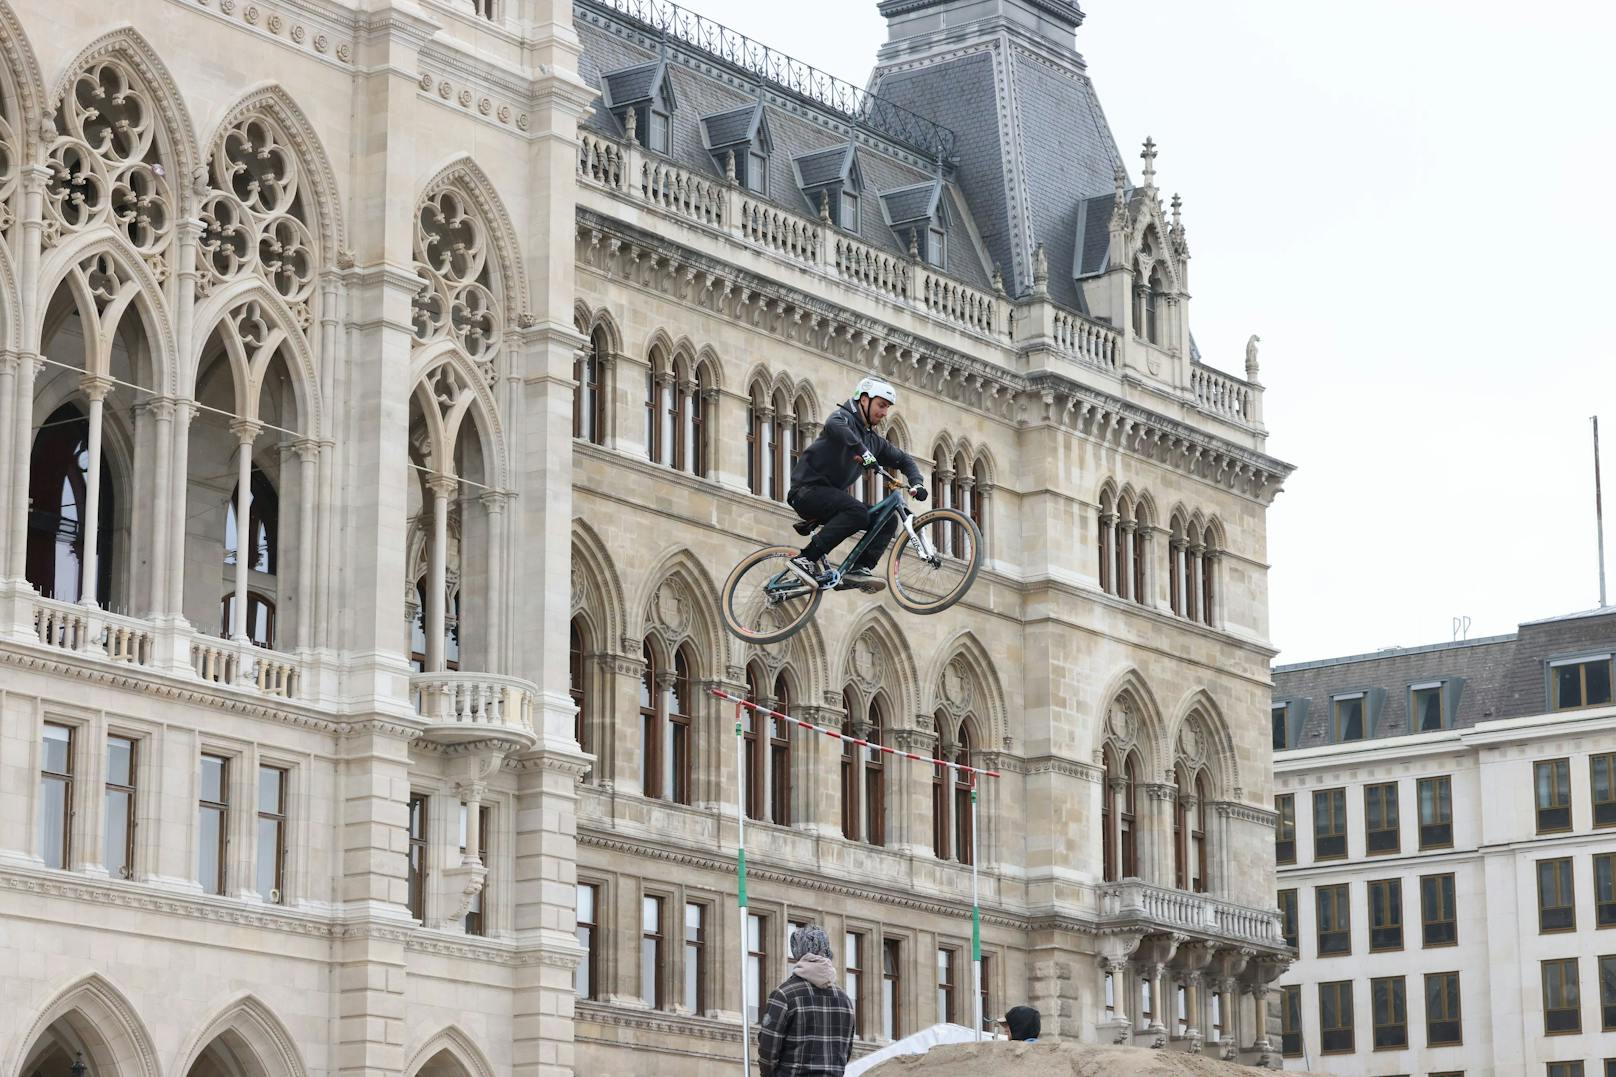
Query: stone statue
point(1251, 357)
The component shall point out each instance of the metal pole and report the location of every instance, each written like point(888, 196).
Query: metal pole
point(976, 923)
point(1599, 513)
point(740, 869)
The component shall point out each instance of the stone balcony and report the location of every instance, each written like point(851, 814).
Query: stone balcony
point(461, 707)
point(1133, 904)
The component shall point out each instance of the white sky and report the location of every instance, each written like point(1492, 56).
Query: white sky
point(1410, 201)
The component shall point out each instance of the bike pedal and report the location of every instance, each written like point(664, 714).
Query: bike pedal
point(804, 527)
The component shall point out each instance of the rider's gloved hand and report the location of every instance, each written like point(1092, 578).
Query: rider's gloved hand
point(867, 460)
point(918, 491)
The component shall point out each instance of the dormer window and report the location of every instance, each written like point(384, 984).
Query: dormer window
point(832, 179)
point(646, 92)
point(919, 217)
point(741, 133)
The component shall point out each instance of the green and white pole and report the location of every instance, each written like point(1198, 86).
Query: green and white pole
point(976, 923)
point(740, 870)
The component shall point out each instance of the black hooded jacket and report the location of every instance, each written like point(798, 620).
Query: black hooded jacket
point(833, 458)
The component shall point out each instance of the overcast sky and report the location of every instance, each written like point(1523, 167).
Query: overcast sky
point(1410, 200)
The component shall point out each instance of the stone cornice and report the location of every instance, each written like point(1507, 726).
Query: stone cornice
point(1246, 813)
point(657, 1021)
point(797, 879)
point(626, 253)
point(1072, 768)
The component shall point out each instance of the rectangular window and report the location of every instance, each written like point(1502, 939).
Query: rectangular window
point(1579, 682)
point(1436, 812)
point(1568, 1069)
point(417, 855)
point(651, 951)
point(1349, 717)
point(272, 834)
point(757, 962)
point(850, 211)
point(1388, 1001)
point(118, 852)
point(56, 796)
point(1602, 783)
point(757, 167)
point(1381, 819)
point(1444, 1023)
point(476, 923)
point(1605, 890)
point(586, 975)
point(1329, 824)
point(1556, 901)
point(853, 977)
point(1386, 914)
point(213, 832)
point(1425, 707)
point(659, 131)
point(891, 988)
point(695, 957)
point(1287, 918)
point(1281, 718)
point(987, 978)
point(1285, 828)
point(1607, 993)
point(946, 962)
point(1551, 780)
point(1562, 997)
point(1438, 920)
point(1335, 920)
point(1290, 1017)
point(1335, 1017)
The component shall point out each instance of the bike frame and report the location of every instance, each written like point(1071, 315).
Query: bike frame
point(895, 502)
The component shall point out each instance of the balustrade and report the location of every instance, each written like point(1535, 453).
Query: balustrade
point(87, 630)
point(781, 232)
point(1221, 394)
point(863, 264)
point(682, 193)
point(1167, 908)
point(475, 706)
point(244, 665)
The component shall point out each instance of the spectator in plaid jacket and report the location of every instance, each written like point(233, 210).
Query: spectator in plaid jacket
point(808, 1024)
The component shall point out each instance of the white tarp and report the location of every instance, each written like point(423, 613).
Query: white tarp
point(918, 1044)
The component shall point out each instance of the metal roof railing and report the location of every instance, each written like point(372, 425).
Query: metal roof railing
point(857, 105)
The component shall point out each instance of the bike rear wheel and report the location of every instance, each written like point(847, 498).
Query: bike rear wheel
point(765, 600)
point(932, 574)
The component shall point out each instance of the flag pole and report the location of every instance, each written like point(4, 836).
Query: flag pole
point(976, 923)
point(740, 870)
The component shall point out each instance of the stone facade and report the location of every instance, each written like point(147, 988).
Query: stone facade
point(1500, 846)
point(431, 387)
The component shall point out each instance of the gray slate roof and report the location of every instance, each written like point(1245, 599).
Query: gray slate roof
point(1499, 676)
point(825, 166)
point(628, 85)
point(734, 126)
point(911, 204)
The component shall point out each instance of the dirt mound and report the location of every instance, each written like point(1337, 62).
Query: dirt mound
point(1005, 1059)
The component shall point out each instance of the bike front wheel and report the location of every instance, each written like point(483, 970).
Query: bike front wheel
point(765, 600)
point(933, 570)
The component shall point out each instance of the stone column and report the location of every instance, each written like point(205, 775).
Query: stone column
point(8, 445)
point(442, 487)
point(1125, 531)
point(1197, 563)
point(817, 772)
point(1213, 614)
point(308, 455)
point(246, 431)
point(179, 487)
point(1156, 837)
point(1117, 791)
point(618, 748)
point(909, 799)
point(1154, 974)
point(96, 387)
point(1117, 969)
point(1259, 1002)
point(497, 602)
point(161, 411)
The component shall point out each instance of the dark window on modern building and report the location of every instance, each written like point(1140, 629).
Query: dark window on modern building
point(1444, 1022)
point(1551, 784)
point(1438, 916)
point(1381, 822)
point(1335, 1018)
point(1435, 797)
point(1425, 707)
point(1580, 682)
point(1607, 993)
point(1330, 824)
point(1602, 785)
point(1287, 917)
point(1562, 997)
point(1347, 718)
point(1290, 1018)
point(1280, 713)
point(1605, 890)
point(1386, 914)
point(1556, 897)
point(1285, 828)
point(1334, 908)
point(1388, 1002)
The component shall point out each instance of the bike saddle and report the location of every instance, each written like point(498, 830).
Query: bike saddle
point(805, 527)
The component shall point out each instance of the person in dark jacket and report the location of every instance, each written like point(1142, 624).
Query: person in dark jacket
point(1023, 1023)
point(820, 480)
point(807, 1026)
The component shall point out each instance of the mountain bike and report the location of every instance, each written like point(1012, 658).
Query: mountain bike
point(934, 559)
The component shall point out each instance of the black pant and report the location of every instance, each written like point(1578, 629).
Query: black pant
point(839, 515)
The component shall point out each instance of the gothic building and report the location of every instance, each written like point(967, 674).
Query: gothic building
point(383, 390)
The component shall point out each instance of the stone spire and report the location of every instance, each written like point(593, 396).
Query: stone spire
point(1149, 155)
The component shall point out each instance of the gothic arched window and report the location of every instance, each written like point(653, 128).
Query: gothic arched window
point(57, 488)
point(589, 398)
point(577, 686)
point(780, 756)
point(263, 525)
point(260, 618)
point(964, 830)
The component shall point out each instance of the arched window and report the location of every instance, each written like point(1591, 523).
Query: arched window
point(751, 734)
point(964, 832)
point(763, 437)
point(802, 435)
point(656, 376)
point(260, 618)
point(1198, 845)
point(696, 422)
point(1208, 558)
point(1108, 837)
point(1107, 543)
point(650, 724)
point(1153, 308)
point(57, 487)
point(263, 526)
point(1140, 537)
point(577, 686)
point(957, 498)
point(1129, 809)
point(942, 495)
point(1181, 830)
point(451, 630)
point(675, 401)
point(979, 493)
point(780, 756)
point(850, 767)
point(785, 446)
point(680, 707)
point(589, 398)
point(875, 778)
point(940, 834)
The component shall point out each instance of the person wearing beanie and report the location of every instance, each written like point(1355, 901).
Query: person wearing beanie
point(807, 1026)
point(1023, 1023)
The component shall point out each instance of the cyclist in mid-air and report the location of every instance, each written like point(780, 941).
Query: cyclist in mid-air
point(827, 468)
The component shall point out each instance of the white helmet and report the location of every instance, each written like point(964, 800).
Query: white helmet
point(877, 387)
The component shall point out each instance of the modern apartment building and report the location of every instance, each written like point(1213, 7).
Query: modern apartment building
point(1447, 855)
